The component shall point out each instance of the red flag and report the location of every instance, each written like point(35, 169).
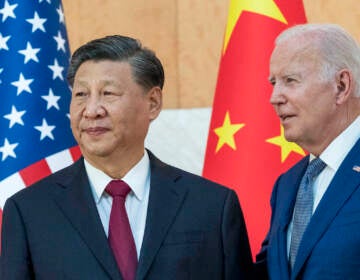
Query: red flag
point(246, 149)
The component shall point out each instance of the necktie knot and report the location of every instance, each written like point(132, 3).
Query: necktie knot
point(314, 168)
point(117, 188)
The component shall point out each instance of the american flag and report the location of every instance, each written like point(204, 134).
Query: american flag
point(35, 135)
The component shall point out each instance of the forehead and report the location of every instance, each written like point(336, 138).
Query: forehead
point(294, 55)
point(107, 68)
point(103, 71)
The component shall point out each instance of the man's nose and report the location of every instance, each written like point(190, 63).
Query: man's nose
point(277, 95)
point(94, 107)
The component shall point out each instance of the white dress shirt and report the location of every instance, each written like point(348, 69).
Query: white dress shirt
point(136, 203)
point(333, 156)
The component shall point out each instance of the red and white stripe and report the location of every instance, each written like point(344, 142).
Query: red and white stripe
point(35, 172)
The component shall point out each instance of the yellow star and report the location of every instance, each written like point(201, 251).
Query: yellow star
point(286, 147)
point(226, 133)
point(263, 7)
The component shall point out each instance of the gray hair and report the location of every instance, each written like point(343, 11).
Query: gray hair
point(147, 69)
point(337, 48)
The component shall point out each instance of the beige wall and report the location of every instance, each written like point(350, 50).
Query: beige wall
point(187, 35)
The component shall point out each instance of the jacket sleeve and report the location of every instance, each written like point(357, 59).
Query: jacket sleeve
point(15, 262)
point(237, 254)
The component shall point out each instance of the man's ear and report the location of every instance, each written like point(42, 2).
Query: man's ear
point(344, 83)
point(155, 102)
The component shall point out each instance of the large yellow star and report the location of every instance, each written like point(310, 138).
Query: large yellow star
point(286, 147)
point(263, 7)
point(226, 133)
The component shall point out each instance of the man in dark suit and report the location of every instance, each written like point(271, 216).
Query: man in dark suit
point(181, 225)
point(315, 73)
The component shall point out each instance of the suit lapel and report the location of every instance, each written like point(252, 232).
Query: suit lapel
point(287, 199)
point(289, 192)
point(77, 204)
point(281, 253)
point(164, 202)
point(344, 183)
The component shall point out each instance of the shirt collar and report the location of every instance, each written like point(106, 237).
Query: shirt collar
point(136, 178)
point(335, 153)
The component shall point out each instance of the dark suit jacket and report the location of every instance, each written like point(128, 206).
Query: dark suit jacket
point(194, 230)
point(331, 246)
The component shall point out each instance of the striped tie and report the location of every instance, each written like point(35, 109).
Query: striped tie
point(304, 206)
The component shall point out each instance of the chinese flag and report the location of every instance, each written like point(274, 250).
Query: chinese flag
point(246, 148)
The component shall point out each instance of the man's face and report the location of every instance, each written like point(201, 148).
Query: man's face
point(110, 113)
point(304, 102)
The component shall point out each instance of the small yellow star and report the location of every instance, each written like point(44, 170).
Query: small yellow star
point(226, 133)
point(263, 7)
point(286, 147)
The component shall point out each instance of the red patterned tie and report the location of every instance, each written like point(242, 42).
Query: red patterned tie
point(120, 236)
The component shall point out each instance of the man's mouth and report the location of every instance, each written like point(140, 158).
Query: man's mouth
point(98, 130)
point(285, 117)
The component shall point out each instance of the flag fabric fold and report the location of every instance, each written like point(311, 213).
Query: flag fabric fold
point(35, 137)
point(246, 148)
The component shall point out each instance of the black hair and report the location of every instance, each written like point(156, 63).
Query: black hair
point(146, 68)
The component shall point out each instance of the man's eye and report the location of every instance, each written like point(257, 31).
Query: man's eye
point(290, 80)
point(80, 94)
point(272, 82)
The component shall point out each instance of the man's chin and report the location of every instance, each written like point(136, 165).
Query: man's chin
point(290, 136)
point(94, 152)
